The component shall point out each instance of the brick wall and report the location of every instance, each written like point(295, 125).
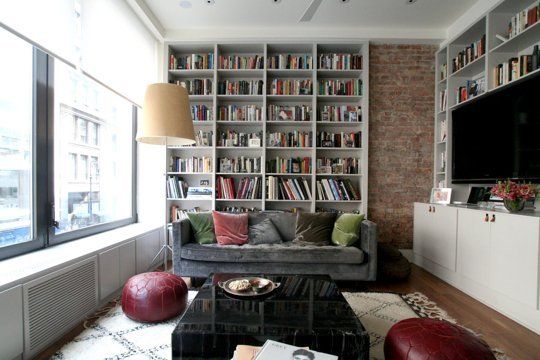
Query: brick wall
point(400, 136)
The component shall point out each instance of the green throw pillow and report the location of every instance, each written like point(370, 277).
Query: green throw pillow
point(347, 229)
point(203, 227)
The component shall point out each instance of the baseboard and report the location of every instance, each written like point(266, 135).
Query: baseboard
point(408, 253)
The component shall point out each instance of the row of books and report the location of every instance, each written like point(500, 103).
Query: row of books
point(516, 67)
point(191, 62)
point(201, 113)
point(240, 87)
point(237, 209)
point(290, 87)
point(471, 89)
point(289, 113)
point(287, 189)
point(340, 61)
point(204, 138)
point(523, 19)
point(343, 113)
point(340, 87)
point(249, 188)
point(443, 100)
point(290, 139)
point(197, 86)
point(469, 54)
point(178, 214)
point(192, 164)
point(241, 62)
point(240, 113)
point(296, 165)
point(336, 189)
point(338, 165)
point(339, 140)
point(288, 61)
point(232, 138)
point(176, 188)
point(239, 164)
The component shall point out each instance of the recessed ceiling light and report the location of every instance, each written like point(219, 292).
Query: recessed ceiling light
point(410, 2)
point(185, 4)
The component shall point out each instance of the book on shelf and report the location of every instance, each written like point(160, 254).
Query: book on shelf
point(338, 165)
point(196, 86)
point(339, 140)
point(204, 138)
point(336, 189)
point(523, 19)
point(290, 139)
point(290, 61)
point(177, 187)
point(200, 192)
point(236, 62)
point(471, 89)
point(239, 113)
point(340, 61)
point(469, 54)
point(191, 62)
point(201, 113)
point(272, 350)
point(232, 138)
point(190, 165)
point(278, 188)
point(237, 209)
point(290, 87)
point(240, 87)
point(443, 71)
point(296, 165)
point(443, 130)
point(351, 87)
point(340, 113)
point(239, 164)
point(443, 100)
point(289, 113)
point(442, 161)
point(178, 214)
point(248, 188)
point(516, 67)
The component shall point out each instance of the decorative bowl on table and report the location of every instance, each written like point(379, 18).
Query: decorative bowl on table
point(248, 287)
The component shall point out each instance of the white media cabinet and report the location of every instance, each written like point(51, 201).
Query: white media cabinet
point(493, 256)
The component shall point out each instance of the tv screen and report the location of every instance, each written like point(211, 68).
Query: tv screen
point(498, 136)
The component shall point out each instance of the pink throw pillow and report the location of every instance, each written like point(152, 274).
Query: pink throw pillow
point(231, 229)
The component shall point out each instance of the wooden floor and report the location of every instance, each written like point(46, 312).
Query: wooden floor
point(497, 330)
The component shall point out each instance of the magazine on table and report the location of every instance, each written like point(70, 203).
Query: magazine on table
point(273, 350)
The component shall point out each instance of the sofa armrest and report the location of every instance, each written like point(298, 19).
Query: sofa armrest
point(181, 234)
point(368, 243)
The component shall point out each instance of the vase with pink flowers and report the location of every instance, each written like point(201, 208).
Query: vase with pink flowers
point(514, 195)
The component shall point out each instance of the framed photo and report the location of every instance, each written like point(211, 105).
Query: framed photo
point(327, 143)
point(440, 196)
point(337, 169)
point(204, 183)
point(254, 143)
point(324, 170)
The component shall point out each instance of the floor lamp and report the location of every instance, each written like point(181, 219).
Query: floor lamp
point(166, 121)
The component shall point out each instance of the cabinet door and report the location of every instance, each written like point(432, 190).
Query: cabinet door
point(11, 325)
point(127, 262)
point(147, 247)
point(109, 272)
point(422, 228)
point(443, 236)
point(473, 245)
point(514, 257)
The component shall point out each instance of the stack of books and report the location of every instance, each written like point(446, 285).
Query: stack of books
point(289, 166)
point(273, 350)
point(340, 61)
point(336, 189)
point(178, 214)
point(339, 140)
point(340, 87)
point(287, 189)
point(191, 62)
point(200, 192)
point(471, 89)
point(240, 164)
point(197, 86)
point(291, 139)
point(239, 113)
point(241, 62)
point(469, 54)
point(288, 61)
point(201, 113)
point(290, 87)
point(249, 188)
point(231, 138)
point(338, 165)
point(289, 113)
point(343, 113)
point(240, 87)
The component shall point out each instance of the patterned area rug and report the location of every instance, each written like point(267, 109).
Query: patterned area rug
point(110, 334)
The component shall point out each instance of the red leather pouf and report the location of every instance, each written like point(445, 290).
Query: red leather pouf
point(431, 339)
point(154, 297)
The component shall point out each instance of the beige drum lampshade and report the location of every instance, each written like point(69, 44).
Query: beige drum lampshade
point(166, 116)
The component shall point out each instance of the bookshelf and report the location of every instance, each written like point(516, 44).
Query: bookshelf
point(494, 24)
point(284, 66)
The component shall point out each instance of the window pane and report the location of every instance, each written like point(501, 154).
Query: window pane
point(16, 103)
point(93, 172)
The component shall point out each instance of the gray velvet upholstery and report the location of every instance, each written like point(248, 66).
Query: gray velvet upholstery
point(358, 262)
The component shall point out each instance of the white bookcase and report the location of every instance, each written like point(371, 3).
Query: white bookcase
point(266, 125)
point(494, 22)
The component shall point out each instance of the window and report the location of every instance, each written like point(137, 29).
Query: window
point(73, 166)
point(82, 130)
point(83, 174)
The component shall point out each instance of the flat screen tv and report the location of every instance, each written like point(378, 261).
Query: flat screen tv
point(498, 136)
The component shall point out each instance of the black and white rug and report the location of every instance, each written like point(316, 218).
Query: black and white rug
point(114, 336)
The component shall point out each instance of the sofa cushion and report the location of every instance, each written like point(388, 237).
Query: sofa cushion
point(264, 232)
point(285, 222)
point(314, 228)
point(203, 227)
point(347, 229)
point(231, 229)
point(287, 252)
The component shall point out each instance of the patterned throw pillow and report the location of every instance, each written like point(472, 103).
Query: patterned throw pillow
point(314, 228)
point(231, 229)
point(264, 232)
point(203, 227)
point(347, 229)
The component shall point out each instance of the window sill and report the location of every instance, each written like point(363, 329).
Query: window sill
point(21, 268)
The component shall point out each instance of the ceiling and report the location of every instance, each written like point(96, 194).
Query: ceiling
point(427, 17)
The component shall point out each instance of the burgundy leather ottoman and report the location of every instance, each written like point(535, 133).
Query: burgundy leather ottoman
point(421, 338)
point(154, 297)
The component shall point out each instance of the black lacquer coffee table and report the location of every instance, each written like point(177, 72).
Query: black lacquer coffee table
point(304, 311)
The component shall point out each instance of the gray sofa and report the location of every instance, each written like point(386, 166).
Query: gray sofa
point(358, 262)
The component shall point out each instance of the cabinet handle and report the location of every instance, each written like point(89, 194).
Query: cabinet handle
point(486, 219)
point(493, 218)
